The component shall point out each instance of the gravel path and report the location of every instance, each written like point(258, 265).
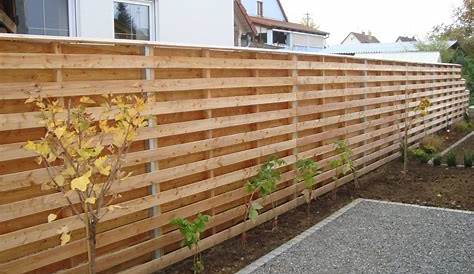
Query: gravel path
point(379, 237)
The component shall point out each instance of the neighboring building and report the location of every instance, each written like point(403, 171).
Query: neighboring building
point(401, 51)
point(208, 22)
point(244, 30)
point(405, 39)
point(275, 31)
point(359, 38)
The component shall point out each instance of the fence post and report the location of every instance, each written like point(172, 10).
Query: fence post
point(152, 144)
point(364, 108)
point(206, 73)
point(295, 120)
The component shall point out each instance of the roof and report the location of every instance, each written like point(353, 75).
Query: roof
point(405, 39)
point(372, 48)
point(271, 23)
point(282, 10)
point(363, 38)
point(241, 12)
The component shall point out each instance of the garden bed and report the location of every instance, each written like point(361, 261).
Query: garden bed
point(466, 146)
point(424, 185)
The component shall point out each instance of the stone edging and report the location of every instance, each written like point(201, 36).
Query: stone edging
point(276, 252)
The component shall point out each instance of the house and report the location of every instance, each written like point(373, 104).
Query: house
point(172, 21)
point(405, 39)
point(273, 30)
point(359, 38)
point(400, 51)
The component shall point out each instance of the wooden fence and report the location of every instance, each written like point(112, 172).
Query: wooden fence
point(216, 115)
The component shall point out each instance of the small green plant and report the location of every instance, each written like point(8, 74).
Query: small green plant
point(437, 160)
point(343, 164)
point(191, 232)
point(420, 154)
point(451, 159)
point(468, 159)
point(263, 184)
point(306, 171)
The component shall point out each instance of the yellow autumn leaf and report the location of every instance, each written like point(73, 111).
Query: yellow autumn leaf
point(90, 200)
point(100, 164)
point(69, 171)
point(30, 146)
point(52, 217)
point(86, 100)
point(81, 183)
point(59, 132)
point(30, 100)
point(65, 238)
point(59, 180)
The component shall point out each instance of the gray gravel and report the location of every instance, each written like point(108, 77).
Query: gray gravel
point(379, 237)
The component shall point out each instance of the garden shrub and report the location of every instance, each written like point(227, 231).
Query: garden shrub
point(451, 159)
point(463, 127)
point(421, 155)
point(431, 144)
point(437, 160)
point(468, 159)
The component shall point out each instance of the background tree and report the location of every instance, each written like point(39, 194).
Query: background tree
point(460, 30)
point(308, 21)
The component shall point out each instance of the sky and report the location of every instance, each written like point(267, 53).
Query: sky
point(385, 19)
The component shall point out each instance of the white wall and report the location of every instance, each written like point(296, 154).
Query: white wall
point(271, 9)
point(95, 19)
point(209, 22)
point(206, 22)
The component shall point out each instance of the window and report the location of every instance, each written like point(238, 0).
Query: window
point(260, 8)
point(43, 17)
point(262, 37)
point(132, 20)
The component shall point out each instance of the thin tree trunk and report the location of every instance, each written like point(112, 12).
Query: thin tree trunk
point(405, 148)
point(91, 242)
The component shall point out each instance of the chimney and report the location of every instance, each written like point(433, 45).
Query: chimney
point(363, 32)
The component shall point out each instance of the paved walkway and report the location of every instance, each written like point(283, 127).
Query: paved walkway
point(378, 237)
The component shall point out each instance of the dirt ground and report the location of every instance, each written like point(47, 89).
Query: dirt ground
point(424, 185)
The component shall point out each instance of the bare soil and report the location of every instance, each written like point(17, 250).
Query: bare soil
point(423, 185)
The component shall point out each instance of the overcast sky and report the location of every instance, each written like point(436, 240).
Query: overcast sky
point(385, 19)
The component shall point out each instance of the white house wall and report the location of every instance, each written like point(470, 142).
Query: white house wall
point(95, 19)
point(271, 9)
point(310, 42)
point(207, 22)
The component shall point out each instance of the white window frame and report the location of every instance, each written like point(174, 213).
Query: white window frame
point(72, 17)
point(151, 16)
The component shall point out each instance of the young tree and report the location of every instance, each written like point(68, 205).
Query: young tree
point(343, 164)
point(191, 232)
point(84, 157)
point(306, 170)
point(422, 110)
point(263, 184)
